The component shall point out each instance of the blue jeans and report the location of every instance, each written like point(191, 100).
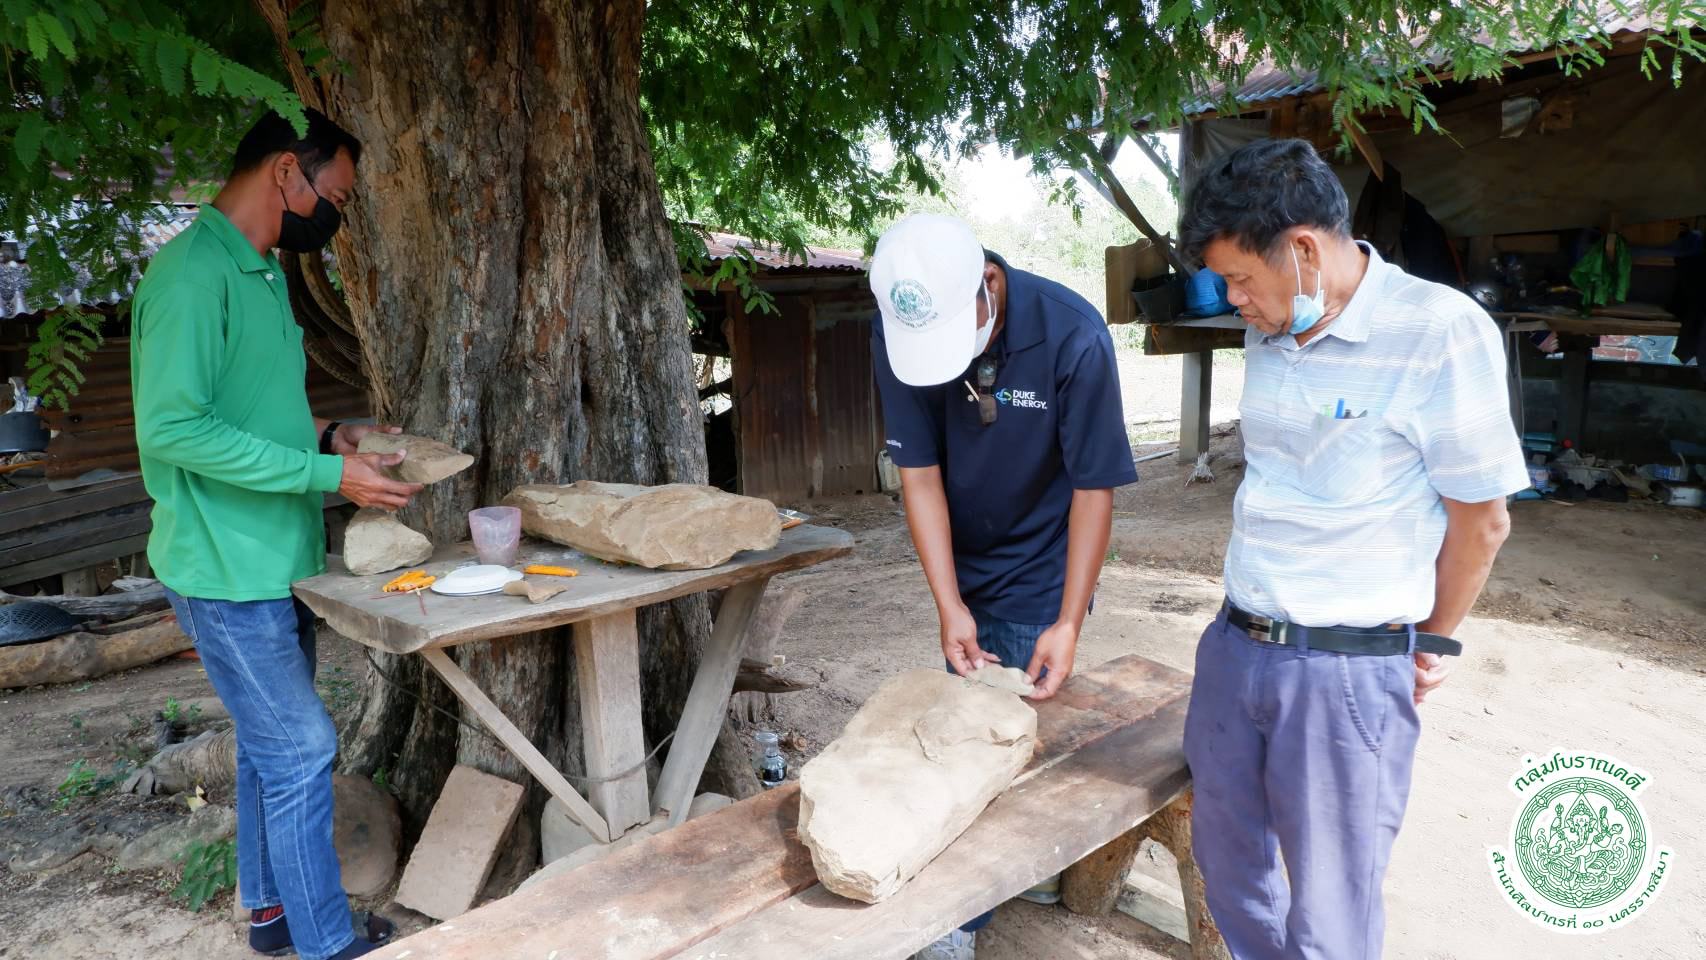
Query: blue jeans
point(1305, 753)
point(259, 655)
point(1013, 643)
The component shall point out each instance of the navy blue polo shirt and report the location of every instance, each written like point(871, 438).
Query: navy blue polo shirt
point(1059, 427)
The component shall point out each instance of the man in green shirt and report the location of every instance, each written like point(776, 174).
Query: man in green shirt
point(238, 468)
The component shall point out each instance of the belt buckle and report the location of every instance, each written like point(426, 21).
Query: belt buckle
point(1266, 630)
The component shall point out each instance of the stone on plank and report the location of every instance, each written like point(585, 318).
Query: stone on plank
point(914, 767)
point(677, 526)
point(376, 542)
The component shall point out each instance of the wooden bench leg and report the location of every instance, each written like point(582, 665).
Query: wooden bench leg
point(493, 719)
point(707, 701)
point(1092, 886)
point(607, 671)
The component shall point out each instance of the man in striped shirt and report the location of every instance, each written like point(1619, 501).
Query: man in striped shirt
point(1380, 451)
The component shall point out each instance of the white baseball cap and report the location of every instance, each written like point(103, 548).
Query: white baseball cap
point(927, 274)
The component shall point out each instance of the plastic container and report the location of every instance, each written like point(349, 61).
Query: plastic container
point(1160, 299)
point(497, 533)
point(772, 766)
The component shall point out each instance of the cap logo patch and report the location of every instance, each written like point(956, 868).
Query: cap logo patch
point(912, 304)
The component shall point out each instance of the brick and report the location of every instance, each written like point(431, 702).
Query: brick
point(460, 843)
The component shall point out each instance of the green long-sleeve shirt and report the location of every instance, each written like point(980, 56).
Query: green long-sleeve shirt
point(227, 443)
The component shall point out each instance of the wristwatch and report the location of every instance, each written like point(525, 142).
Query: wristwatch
point(327, 434)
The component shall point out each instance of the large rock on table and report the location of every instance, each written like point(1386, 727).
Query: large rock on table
point(913, 769)
point(678, 526)
point(425, 460)
point(374, 542)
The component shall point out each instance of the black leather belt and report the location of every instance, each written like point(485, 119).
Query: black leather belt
point(1382, 641)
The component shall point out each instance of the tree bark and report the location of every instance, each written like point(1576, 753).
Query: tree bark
point(509, 272)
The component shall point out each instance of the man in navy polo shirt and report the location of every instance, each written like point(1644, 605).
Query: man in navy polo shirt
point(1001, 401)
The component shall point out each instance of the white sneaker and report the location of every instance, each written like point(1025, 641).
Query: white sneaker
point(955, 945)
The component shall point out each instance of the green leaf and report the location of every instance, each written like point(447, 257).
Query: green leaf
point(36, 36)
point(26, 142)
point(172, 58)
point(56, 33)
point(205, 70)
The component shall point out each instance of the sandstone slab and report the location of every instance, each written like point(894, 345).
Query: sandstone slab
point(425, 460)
point(460, 843)
point(1003, 678)
point(375, 542)
point(676, 526)
point(914, 767)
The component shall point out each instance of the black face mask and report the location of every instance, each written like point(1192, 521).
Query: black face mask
point(300, 234)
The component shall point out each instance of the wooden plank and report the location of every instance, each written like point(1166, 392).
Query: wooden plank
point(39, 509)
point(660, 896)
point(1173, 339)
point(708, 700)
point(1366, 147)
point(1025, 835)
point(1573, 396)
point(72, 560)
point(355, 607)
point(105, 527)
point(493, 719)
point(607, 670)
point(1196, 392)
point(651, 899)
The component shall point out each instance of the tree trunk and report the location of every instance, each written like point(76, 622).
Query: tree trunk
point(510, 274)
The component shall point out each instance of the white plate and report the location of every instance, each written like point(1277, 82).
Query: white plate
point(474, 581)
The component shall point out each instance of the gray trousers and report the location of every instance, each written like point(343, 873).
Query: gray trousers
point(1307, 754)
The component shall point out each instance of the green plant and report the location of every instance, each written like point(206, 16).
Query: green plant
point(85, 781)
point(174, 712)
point(382, 778)
point(209, 870)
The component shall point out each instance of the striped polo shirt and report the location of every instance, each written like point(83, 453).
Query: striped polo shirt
point(1338, 521)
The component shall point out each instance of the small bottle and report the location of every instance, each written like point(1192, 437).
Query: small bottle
point(772, 766)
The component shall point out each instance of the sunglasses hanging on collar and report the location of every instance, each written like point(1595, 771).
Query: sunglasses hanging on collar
point(983, 394)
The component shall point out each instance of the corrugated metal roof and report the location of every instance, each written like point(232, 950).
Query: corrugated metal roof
point(1268, 83)
point(721, 245)
point(169, 221)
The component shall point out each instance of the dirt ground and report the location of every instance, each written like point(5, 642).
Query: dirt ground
point(1590, 636)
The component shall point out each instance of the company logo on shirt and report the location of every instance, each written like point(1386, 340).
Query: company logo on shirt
point(912, 303)
point(1020, 398)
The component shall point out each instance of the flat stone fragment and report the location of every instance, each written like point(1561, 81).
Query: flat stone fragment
point(914, 767)
point(1003, 678)
point(677, 526)
point(425, 460)
point(460, 843)
point(534, 592)
point(375, 542)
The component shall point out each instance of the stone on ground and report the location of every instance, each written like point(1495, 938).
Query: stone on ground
point(914, 767)
point(367, 832)
point(375, 542)
point(460, 843)
point(676, 526)
point(424, 460)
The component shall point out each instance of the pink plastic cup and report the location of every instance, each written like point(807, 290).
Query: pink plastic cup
point(497, 533)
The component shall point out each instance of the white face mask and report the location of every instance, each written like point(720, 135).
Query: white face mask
point(988, 329)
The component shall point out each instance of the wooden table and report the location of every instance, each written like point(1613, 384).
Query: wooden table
point(601, 604)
